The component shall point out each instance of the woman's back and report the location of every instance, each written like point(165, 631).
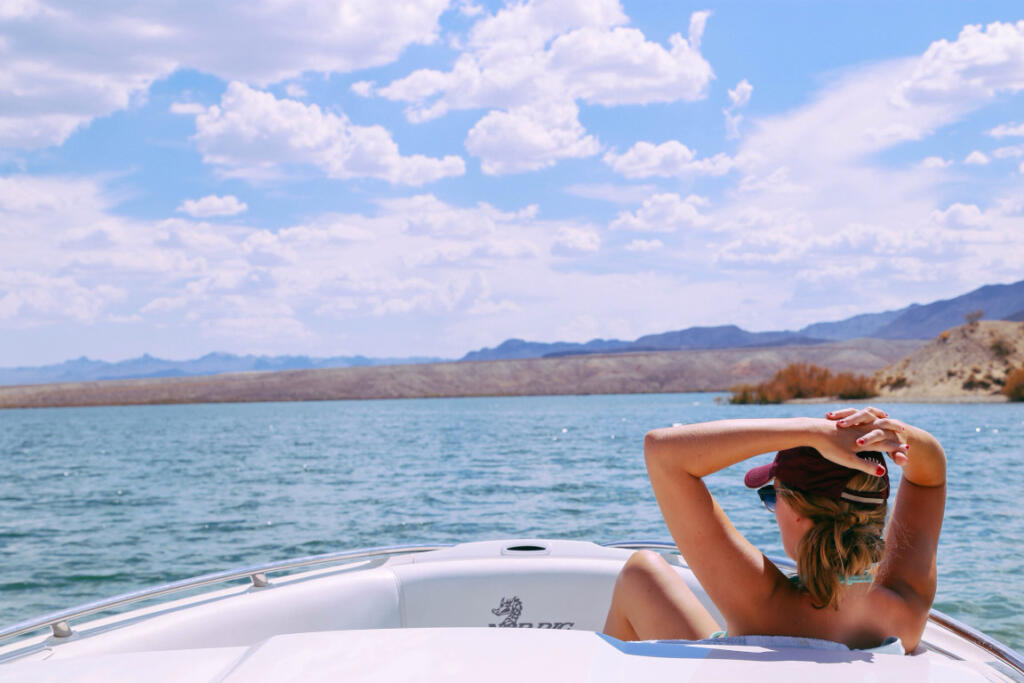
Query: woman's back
point(754, 597)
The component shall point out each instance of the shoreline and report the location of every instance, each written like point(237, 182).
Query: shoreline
point(989, 399)
point(658, 372)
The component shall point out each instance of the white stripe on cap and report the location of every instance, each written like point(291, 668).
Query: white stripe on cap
point(861, 499)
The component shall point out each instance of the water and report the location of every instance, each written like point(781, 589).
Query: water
point(99, 501)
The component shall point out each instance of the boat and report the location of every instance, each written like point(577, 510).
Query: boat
point(498, 610)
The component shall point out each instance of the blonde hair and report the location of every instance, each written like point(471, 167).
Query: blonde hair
point(845, 539)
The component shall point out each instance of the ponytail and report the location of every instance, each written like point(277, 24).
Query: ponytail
point(844, 541)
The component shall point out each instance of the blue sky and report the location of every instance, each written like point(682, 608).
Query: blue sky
point(426, 178)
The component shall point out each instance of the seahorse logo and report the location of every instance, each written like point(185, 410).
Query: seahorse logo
point(511, 608)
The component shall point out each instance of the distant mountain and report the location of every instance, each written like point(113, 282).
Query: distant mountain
point(864, 325)
point(512, 349)
point(999, 302)
point(146, 366)
point(721, 337)
point(921, 322)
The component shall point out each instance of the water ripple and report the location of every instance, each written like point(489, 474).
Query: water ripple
point(98, 501)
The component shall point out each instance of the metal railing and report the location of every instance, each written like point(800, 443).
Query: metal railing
point(60, 622)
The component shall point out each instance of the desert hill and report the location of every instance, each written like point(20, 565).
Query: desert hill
point(654, 372)
point(969, 362)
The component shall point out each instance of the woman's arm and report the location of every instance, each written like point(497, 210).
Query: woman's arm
point(700, 449)
point(720, 557)
point(908, 567)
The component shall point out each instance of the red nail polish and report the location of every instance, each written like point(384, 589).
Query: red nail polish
point(880, 471)
point(860, 442)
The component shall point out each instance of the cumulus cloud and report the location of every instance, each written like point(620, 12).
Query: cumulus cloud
point(252, 131)
point(295, 91)
point(531, 62)
point(935, 163)
point(669, 159)
point(72, 260)
point(52, 90)
point(976, 158)
point(815, 196)
point(663, 213)
point(1009, 152)
point(1008, 130)
point(212, 205)
point(740, 95)
point(573, 241)
point(529, 138)
point(980, 63)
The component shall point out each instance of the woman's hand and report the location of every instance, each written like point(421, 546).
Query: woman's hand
point(883, 433)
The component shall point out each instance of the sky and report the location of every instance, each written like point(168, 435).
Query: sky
point(427, 178)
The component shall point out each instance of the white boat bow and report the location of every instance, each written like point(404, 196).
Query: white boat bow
point(493, 610)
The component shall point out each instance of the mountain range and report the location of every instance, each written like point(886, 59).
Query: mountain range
point(917, 321)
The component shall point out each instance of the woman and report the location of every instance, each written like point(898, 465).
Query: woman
point(830, 506)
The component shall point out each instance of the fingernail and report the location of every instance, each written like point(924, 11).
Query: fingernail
point(860, 442)
point(880, 471)
point(841, 423)
point(905, 446)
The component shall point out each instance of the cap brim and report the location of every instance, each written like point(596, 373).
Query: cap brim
point(759, 476)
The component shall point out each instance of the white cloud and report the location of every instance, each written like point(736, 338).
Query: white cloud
point(935, 163)
point(362, 88)
point(212, 205)
point(187, 108)
point(663, 213)
point(529, 138)
point(52, 90)
point(1010, 152)
point(815, 196)
point(532, 61)
point(981, 62)
point(252, 131)
point(644, 245)
point(740, 96)
point(295, 91)
point(71, 259)
point(572, 241)
point(669, 159)
point(1008, 130)
point(732, 124)
point(976, 158)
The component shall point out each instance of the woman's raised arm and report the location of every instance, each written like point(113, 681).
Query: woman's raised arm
point(908, 567)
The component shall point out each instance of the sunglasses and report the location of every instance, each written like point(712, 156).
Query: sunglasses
point(767, 496)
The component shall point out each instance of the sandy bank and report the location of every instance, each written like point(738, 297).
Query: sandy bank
point(655, 372)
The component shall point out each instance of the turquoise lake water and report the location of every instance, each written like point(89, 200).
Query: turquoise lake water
point(100, 501)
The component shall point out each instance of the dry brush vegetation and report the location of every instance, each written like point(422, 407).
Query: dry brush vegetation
point(805, 380)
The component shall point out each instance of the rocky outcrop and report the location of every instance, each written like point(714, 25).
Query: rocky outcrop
point(970, 362)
